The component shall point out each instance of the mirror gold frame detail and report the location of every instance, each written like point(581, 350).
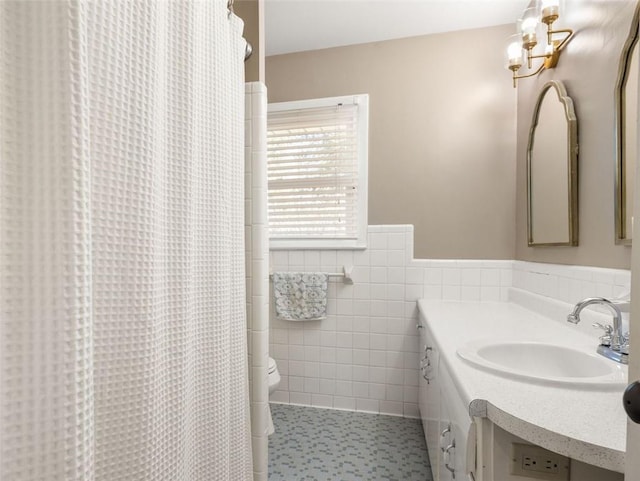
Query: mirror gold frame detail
point(621, 207)
point(572, 164)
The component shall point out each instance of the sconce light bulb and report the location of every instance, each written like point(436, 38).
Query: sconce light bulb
point(514, 53)
point(529, 25)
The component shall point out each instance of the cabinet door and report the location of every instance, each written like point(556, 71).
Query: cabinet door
point(429, 393)
point(446, 443)
point(422, 385)
point(460, 426)
point(433, 430)
point(454, 456)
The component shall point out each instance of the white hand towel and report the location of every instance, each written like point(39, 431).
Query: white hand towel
point(300, 296)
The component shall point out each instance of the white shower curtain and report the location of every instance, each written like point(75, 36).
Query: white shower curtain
point(122, 328)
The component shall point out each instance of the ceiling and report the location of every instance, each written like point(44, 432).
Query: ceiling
point(298, 25)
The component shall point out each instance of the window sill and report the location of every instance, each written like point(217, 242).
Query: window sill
point(315, 244)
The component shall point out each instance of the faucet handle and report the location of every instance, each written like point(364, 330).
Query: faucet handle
point(624, 343)
point(607, 337)
point(605, 327)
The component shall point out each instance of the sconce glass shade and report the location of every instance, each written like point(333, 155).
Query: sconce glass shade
point(514, 52)
point(528, 27)
point(549, 10)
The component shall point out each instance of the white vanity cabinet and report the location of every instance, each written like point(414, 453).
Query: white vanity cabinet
point(514, 419)
point(444, 416)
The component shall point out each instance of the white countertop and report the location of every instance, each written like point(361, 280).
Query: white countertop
point(587, 425)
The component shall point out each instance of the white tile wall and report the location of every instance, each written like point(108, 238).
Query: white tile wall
point(257, 269)
point(570, 283)
point(364, 356)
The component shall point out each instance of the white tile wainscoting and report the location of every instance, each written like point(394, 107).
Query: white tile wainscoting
point(570, 283)
point(364, 356)
point(552, 290)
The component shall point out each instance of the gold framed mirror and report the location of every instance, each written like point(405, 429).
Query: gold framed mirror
point(552, 169)
point(626, 128)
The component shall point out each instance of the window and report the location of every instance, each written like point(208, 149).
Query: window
point(317, 173)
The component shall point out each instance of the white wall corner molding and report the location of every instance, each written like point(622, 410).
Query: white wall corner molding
point(257, 268)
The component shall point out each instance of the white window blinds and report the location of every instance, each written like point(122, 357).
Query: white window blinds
point(315, 171)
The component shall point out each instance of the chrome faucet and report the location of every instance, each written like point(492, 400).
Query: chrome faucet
point(614, 344)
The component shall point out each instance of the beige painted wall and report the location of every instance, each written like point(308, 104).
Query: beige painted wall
point(252, 13)
point(442, 150)
point(442, 133)
point(589, 68)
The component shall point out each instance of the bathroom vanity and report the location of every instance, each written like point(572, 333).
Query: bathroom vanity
point(485, 423)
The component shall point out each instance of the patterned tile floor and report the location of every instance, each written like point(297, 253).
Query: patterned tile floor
point(324, 444)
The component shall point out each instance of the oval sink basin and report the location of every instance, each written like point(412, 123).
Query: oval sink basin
point(544, 363)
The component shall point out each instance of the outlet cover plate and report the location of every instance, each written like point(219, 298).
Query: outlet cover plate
point(532, 461)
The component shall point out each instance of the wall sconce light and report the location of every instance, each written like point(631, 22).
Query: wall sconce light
point(523, 43)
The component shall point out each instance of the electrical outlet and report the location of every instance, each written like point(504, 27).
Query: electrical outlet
point(535, 462)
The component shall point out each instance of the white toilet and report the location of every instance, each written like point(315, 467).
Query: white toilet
point(274, 382)
point(274, 375)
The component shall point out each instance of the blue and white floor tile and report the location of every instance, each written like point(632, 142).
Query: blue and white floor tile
point(323, 444)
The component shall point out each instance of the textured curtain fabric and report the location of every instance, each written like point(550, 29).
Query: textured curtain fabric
point(122, 322)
